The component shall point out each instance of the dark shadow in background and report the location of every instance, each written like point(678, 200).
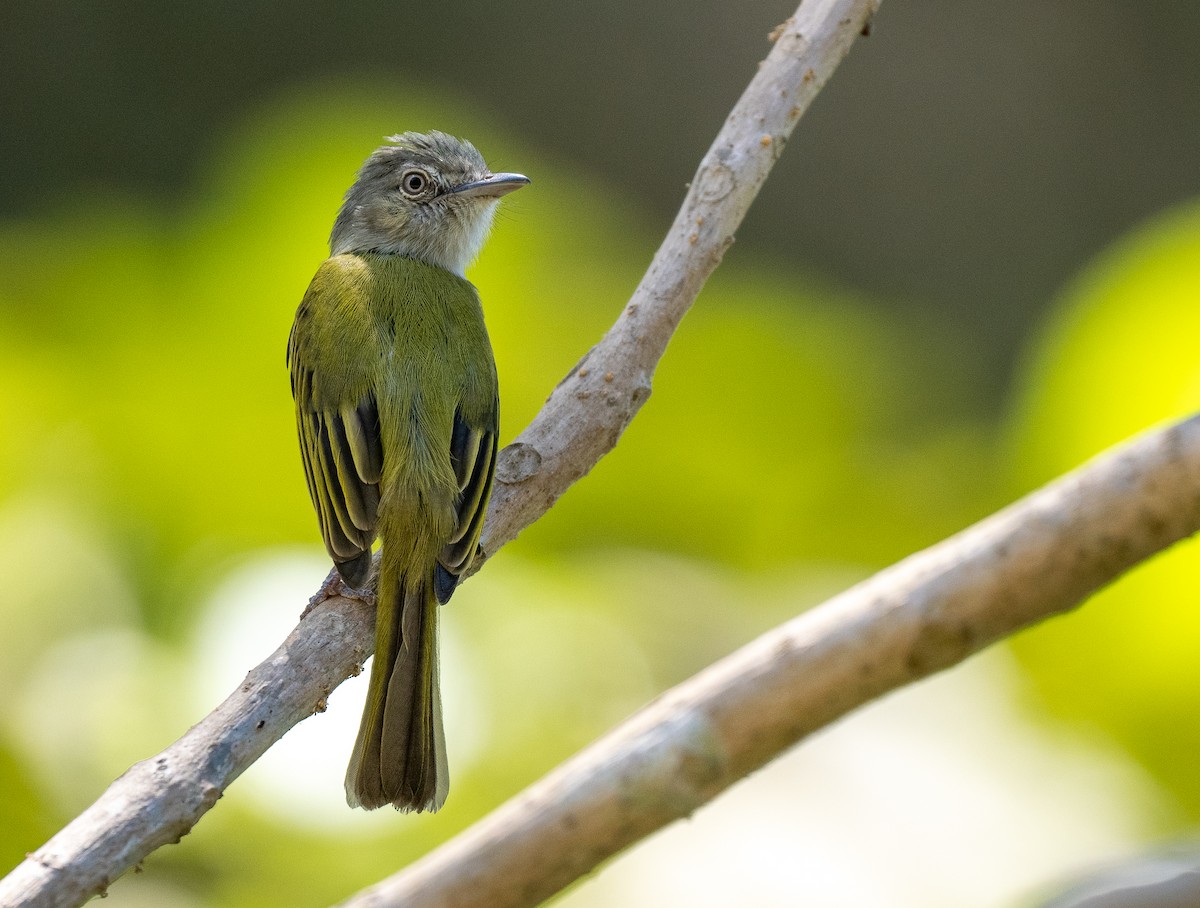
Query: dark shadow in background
point(961, 166)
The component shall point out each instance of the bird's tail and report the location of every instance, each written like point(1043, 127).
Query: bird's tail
point(400, 755)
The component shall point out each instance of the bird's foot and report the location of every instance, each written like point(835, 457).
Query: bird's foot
point(335, 587)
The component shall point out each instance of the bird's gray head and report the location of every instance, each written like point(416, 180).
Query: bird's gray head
point(426, 196)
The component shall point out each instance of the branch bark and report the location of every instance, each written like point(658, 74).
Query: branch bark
point(159, 800)
point(1034, 559)
point(1038, 557)
point(590, 408)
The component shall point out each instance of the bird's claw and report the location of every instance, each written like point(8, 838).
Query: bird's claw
point(335, 587)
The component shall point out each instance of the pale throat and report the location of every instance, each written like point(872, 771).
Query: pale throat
point(465, 236)
point(453, 242)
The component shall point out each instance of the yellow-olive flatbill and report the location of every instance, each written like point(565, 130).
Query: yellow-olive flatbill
point(396, 401)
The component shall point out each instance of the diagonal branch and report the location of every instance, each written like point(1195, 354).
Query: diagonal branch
point(1036, 558)
point(591, 407)
point(159, 800)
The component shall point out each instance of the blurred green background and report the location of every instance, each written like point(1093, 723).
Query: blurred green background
point(977, 265)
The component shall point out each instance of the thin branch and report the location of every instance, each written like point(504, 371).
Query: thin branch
point(159, 800)
point(591, 407)
point(1038, 557)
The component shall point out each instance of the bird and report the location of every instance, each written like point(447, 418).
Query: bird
point(397, 410)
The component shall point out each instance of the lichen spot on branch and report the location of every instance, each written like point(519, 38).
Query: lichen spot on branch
point(517, 463)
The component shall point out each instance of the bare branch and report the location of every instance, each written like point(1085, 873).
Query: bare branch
point(590, 408)
point(1038, 557)
point(159, 800)
point(1163, 877)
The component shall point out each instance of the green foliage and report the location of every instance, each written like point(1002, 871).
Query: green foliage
point(1121, 355)
point(798, 437)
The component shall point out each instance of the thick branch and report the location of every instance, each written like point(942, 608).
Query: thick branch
point(1036, 558)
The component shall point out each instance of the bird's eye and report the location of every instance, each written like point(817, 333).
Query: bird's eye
point(414, 182)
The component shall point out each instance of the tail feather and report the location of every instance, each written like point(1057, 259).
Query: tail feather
point(399, 757)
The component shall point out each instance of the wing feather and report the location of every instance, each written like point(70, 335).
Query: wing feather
point(473, 453)
point(464, 446)
point(340, 546)
point(478, 484)
point(338, 418)
point(361, 423)
point(463, 550)
point(360, 497)
point(340, 442)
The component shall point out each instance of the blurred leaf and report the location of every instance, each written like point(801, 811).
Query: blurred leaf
point(1122, 354)
point(24, 820)
point(793, 428)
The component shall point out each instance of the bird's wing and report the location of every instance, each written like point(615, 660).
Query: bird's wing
point(337, 415)
point(473, 454)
